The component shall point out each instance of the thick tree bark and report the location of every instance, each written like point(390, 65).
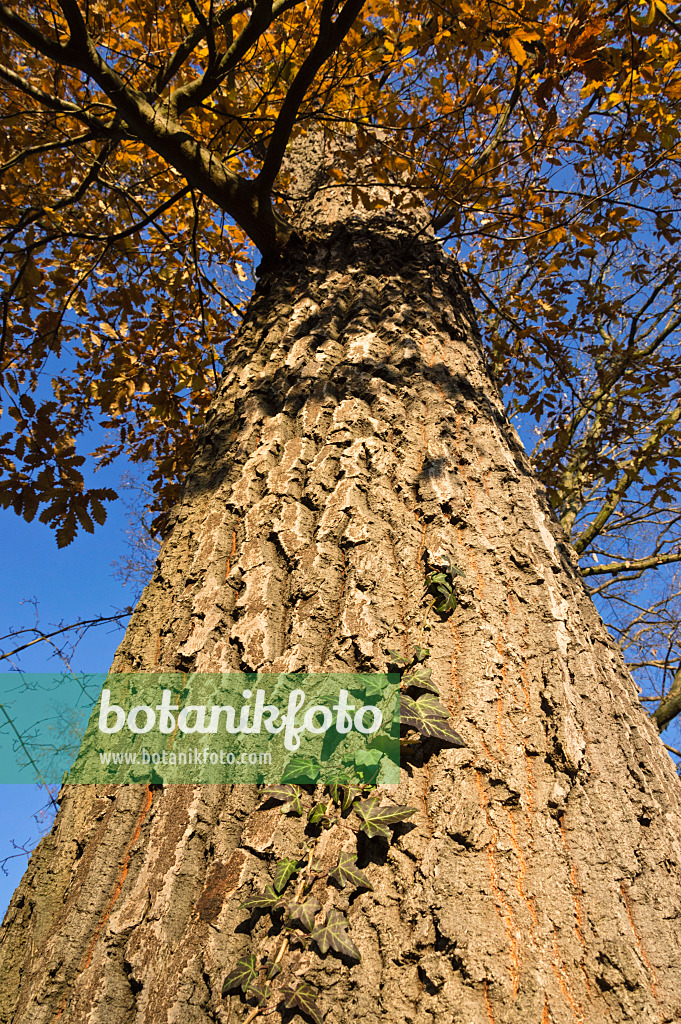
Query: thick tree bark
point(357, 438)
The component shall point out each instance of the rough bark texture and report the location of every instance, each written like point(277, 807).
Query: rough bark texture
point(356, 439)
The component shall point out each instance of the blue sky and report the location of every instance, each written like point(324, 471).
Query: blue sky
point(76, 582)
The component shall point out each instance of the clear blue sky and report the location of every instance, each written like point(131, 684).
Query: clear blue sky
point(76, 582)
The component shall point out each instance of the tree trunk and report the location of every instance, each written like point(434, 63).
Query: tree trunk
point(357, 439)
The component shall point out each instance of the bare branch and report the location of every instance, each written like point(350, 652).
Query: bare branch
point(43, 637)
point(651, 562)
point(632, 468)
point(670, 706)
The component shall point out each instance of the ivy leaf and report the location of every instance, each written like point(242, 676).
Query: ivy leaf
point(421, 677)
point(443, 584)
point(376, 818)
point(449, 599)
point(347, 871)
point(273, 970)
point(280, 793)
point(302, 769)
point(331, 935)
point(429, 718)
point(421, 653)
point(242, 975)
point(350, 794)
point(302, 997)
point(336, 788)
point(368, 758)
point(295, 806)
point(317, 815)
point(283, 871)
point(397, 659)
point(261, 993)
point(366, 764)
point(374, 686)
point(289, 795)
point(263, 900)
point(303, 914)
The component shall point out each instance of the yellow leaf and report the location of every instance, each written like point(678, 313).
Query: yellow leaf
point(517, 50)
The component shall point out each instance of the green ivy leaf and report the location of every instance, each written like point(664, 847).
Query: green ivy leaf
point(303, 914)
point(303, 769)
point(375, 818)
point(367, 758)
point(281, 793)
point(242, 975)
point(350, 794)
point(448, 599)
point(420, 653)
point(429, 718)
point(283, 871)
point(367, 764)
point(347, 871)
point(262, 901)
point(443, 583)
point(336, 788)
point(374, 686)
point(261, 993)
point(331, 935)
point(421, 677)
point(273, 970)
point(295, 806)
point(302, 997)
point(289, 795)
point(317, 815)
point(397, 658)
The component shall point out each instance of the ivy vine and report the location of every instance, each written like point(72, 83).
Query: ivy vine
point(295, 911)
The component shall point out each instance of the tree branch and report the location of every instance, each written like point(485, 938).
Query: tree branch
point(54, 103)
point(202, 168)
point(670, 706)
point(81, 624)
point(331, 34)
point(443, 219)
point(631, 471)
point(191, 93)
point(189, 44)
point(45, 147)
point(31, 35)
point(633, 564)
